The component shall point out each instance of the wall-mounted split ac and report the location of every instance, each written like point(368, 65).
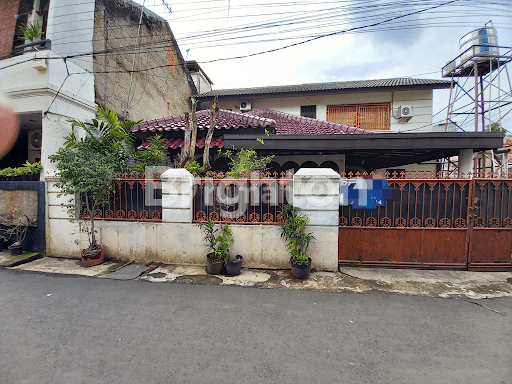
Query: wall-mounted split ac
point(245, 105)
point(406, 112)
point(34, 145)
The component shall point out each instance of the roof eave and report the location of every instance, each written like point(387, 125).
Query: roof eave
point(213, 94)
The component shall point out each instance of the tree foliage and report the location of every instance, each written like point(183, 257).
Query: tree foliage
point(88, 166)
point(244, 161)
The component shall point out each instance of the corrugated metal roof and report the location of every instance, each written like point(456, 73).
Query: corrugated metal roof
point(334, 86)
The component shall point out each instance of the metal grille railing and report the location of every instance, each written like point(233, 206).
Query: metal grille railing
point(134, 198)
point(438, 200)
point(365, 116)
point(241, 201)
point(427, 203)
point(493, 203)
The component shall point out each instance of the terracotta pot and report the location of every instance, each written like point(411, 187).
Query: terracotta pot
point(95, 259)
point(301, 271)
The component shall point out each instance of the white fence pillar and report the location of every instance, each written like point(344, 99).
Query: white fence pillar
point(177, 188)
point(466, 160)
point(316, 193)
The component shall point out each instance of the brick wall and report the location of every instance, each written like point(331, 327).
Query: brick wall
point(8, 8)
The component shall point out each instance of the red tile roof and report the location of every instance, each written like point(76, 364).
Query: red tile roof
point(179, 143)
point(225, 119)
point(284, 123)
point(288, 124)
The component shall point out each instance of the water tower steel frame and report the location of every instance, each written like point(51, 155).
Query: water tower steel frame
point(484, 64)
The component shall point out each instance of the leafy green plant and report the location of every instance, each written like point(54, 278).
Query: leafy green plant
point(154, 155)
point(32, 169)
point(32, 31)
point(108, 136)
point(87, 173)
point(293, 230)
point(8, 172)
point(194, 168)
point(224, 240)
point(244, 161)
point(217, 246)
point(209, 239)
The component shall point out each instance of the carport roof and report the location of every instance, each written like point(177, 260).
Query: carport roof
point(379, 150)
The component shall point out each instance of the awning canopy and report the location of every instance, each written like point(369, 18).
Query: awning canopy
point(375, 151)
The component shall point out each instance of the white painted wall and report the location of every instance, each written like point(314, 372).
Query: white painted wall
point(420, 99)
point(70, 28)
point(201, 83)
point(33, 91)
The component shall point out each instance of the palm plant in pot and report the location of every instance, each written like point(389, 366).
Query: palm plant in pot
point(87, 168)
point(293, 230)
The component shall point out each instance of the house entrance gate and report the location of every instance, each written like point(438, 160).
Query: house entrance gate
point(432, 223)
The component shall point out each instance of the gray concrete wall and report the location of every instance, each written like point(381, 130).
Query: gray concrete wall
point(162, 91)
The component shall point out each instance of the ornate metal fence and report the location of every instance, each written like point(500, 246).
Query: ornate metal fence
point(251, 200)
point(438, 200)
point(134, 198)
point(417, 202)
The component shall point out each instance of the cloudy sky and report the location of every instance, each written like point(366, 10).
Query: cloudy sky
point(417, 45)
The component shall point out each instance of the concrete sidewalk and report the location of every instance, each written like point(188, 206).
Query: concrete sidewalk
point(475, 285)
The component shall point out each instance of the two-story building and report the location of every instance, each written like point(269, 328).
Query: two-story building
point(116, 54)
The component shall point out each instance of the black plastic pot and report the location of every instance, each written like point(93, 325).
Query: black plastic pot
point(233, 267)
point(301, 271)
point(16, 250)
point(34, 177)
point(213, 268)
point(1, 243)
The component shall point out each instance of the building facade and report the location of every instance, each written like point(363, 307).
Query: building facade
point(114, 54)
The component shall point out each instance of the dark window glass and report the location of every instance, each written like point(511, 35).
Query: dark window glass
point(308, 111)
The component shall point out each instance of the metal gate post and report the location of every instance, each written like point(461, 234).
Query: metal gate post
point(471, 218)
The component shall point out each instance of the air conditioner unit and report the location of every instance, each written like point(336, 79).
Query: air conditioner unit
point(34, 140)
point(406, 112)
point(245, 106)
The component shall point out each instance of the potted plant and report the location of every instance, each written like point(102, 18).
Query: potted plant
point(32, 31)
point(293, 230)
point(213, 264)
point(218, 249)
point(87, 169)
point(234, 266)
point(18, 226)
point(224, 241)
point(32, 171)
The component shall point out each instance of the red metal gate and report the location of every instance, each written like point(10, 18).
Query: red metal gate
point(432, 223)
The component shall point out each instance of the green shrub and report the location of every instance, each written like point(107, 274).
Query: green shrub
point(194, 168)
point(293, 230)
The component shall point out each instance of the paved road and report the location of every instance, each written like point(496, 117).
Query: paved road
point(94, 330)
